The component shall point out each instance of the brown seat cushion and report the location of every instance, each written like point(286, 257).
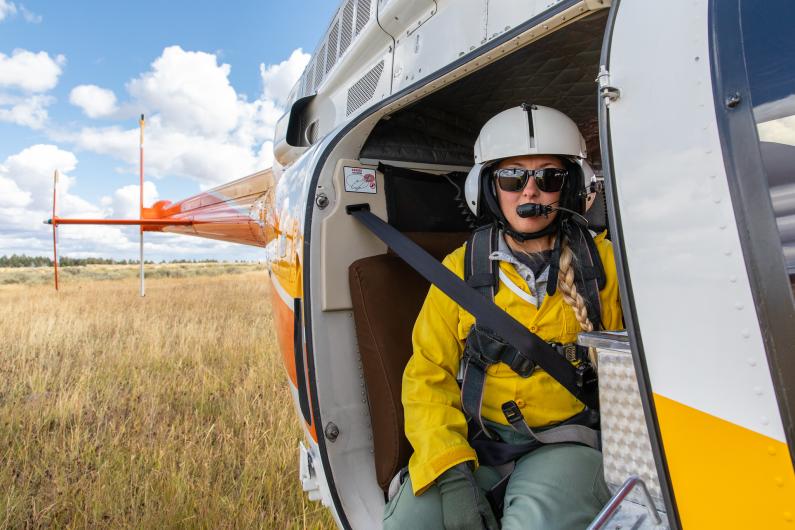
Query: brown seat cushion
point(387, 295)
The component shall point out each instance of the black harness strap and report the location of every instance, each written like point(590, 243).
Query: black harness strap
point(563, 433)
point(480, 272)
point(491, 319)
point(590, 275)
point(481, 349)
point(502, 456)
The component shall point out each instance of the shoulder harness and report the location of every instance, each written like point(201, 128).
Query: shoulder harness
point(484, 348)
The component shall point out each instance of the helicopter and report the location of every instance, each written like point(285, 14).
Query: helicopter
point(688, 113)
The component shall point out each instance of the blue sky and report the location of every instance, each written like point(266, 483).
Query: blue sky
point(210, 76)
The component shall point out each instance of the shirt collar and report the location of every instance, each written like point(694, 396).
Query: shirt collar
point(504, 253)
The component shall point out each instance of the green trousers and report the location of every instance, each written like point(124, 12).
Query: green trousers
point(556, 487)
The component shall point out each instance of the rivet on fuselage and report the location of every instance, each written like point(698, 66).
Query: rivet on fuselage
point(733, 100)
point(331, 431)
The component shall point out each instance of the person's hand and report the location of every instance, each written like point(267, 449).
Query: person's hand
point(463, 505)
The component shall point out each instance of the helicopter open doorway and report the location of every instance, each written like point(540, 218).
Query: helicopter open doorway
point(367, 299)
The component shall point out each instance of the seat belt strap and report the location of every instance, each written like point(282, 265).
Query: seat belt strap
point(472, 386)
point(511, 331)
point(568, 433)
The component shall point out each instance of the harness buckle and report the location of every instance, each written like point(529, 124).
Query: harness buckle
point(586, 375)
point(512, 413)
point(570, 352)
point(484, 348)
point(523, 366)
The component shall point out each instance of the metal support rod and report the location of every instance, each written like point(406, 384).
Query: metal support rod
point(141, 262)
point(122, 222)
point(141, 210)
point(611, 507)
point(55, 228)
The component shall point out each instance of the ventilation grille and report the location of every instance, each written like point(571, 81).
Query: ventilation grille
point(339, 38)
point(362, 14)
point(347, 26)
point(309, 77)
point(362, 91)
point(320, 67)
point(331, 56)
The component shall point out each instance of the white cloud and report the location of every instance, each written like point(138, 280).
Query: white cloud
point(28, 175)
point(126, 200)
point(170, 152)
point(10, 8)
point(96, 102)
point(32, 170)
point(29, 15)
point(26, 200)
point(29, 111)
point(29, 71)
point(190, 90)
point(11, 195)
point(198, 127)
point(278, 79)
point(6, 9)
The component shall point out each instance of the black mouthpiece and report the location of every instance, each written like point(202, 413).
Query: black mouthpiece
point(533, 210)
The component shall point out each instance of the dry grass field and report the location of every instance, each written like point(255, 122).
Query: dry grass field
point(44, 275)
point(170, 411)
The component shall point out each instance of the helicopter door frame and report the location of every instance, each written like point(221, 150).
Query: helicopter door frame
point(605, 94)
point(689, 237)
point(752, 205)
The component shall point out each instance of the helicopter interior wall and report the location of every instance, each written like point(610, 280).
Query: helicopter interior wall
point(417, 201)
point(557, 71)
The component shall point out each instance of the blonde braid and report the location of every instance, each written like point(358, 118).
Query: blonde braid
point(568, 290)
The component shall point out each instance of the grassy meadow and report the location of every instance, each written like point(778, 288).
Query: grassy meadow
point(170, 411)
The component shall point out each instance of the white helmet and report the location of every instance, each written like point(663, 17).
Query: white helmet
point(524, 130)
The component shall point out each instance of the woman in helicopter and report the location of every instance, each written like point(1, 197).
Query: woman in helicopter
point(482, 433)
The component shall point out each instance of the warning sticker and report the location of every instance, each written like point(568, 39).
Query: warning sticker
point(359, 180)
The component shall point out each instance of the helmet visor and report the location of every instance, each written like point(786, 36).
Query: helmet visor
point(549, 179)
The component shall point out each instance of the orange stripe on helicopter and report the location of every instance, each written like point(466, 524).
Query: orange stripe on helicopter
point(284, 319)
point(725, 476)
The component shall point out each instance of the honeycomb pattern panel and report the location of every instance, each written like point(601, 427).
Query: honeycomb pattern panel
point(625, 439)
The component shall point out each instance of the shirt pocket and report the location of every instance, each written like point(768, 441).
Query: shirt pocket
point(559, 322)
point(571, 326)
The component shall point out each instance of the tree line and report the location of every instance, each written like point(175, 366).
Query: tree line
point(22, 260)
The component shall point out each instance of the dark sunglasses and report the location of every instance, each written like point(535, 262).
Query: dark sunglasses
point(548, 179)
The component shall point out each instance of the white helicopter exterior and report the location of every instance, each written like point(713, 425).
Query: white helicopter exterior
point(688, 109)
